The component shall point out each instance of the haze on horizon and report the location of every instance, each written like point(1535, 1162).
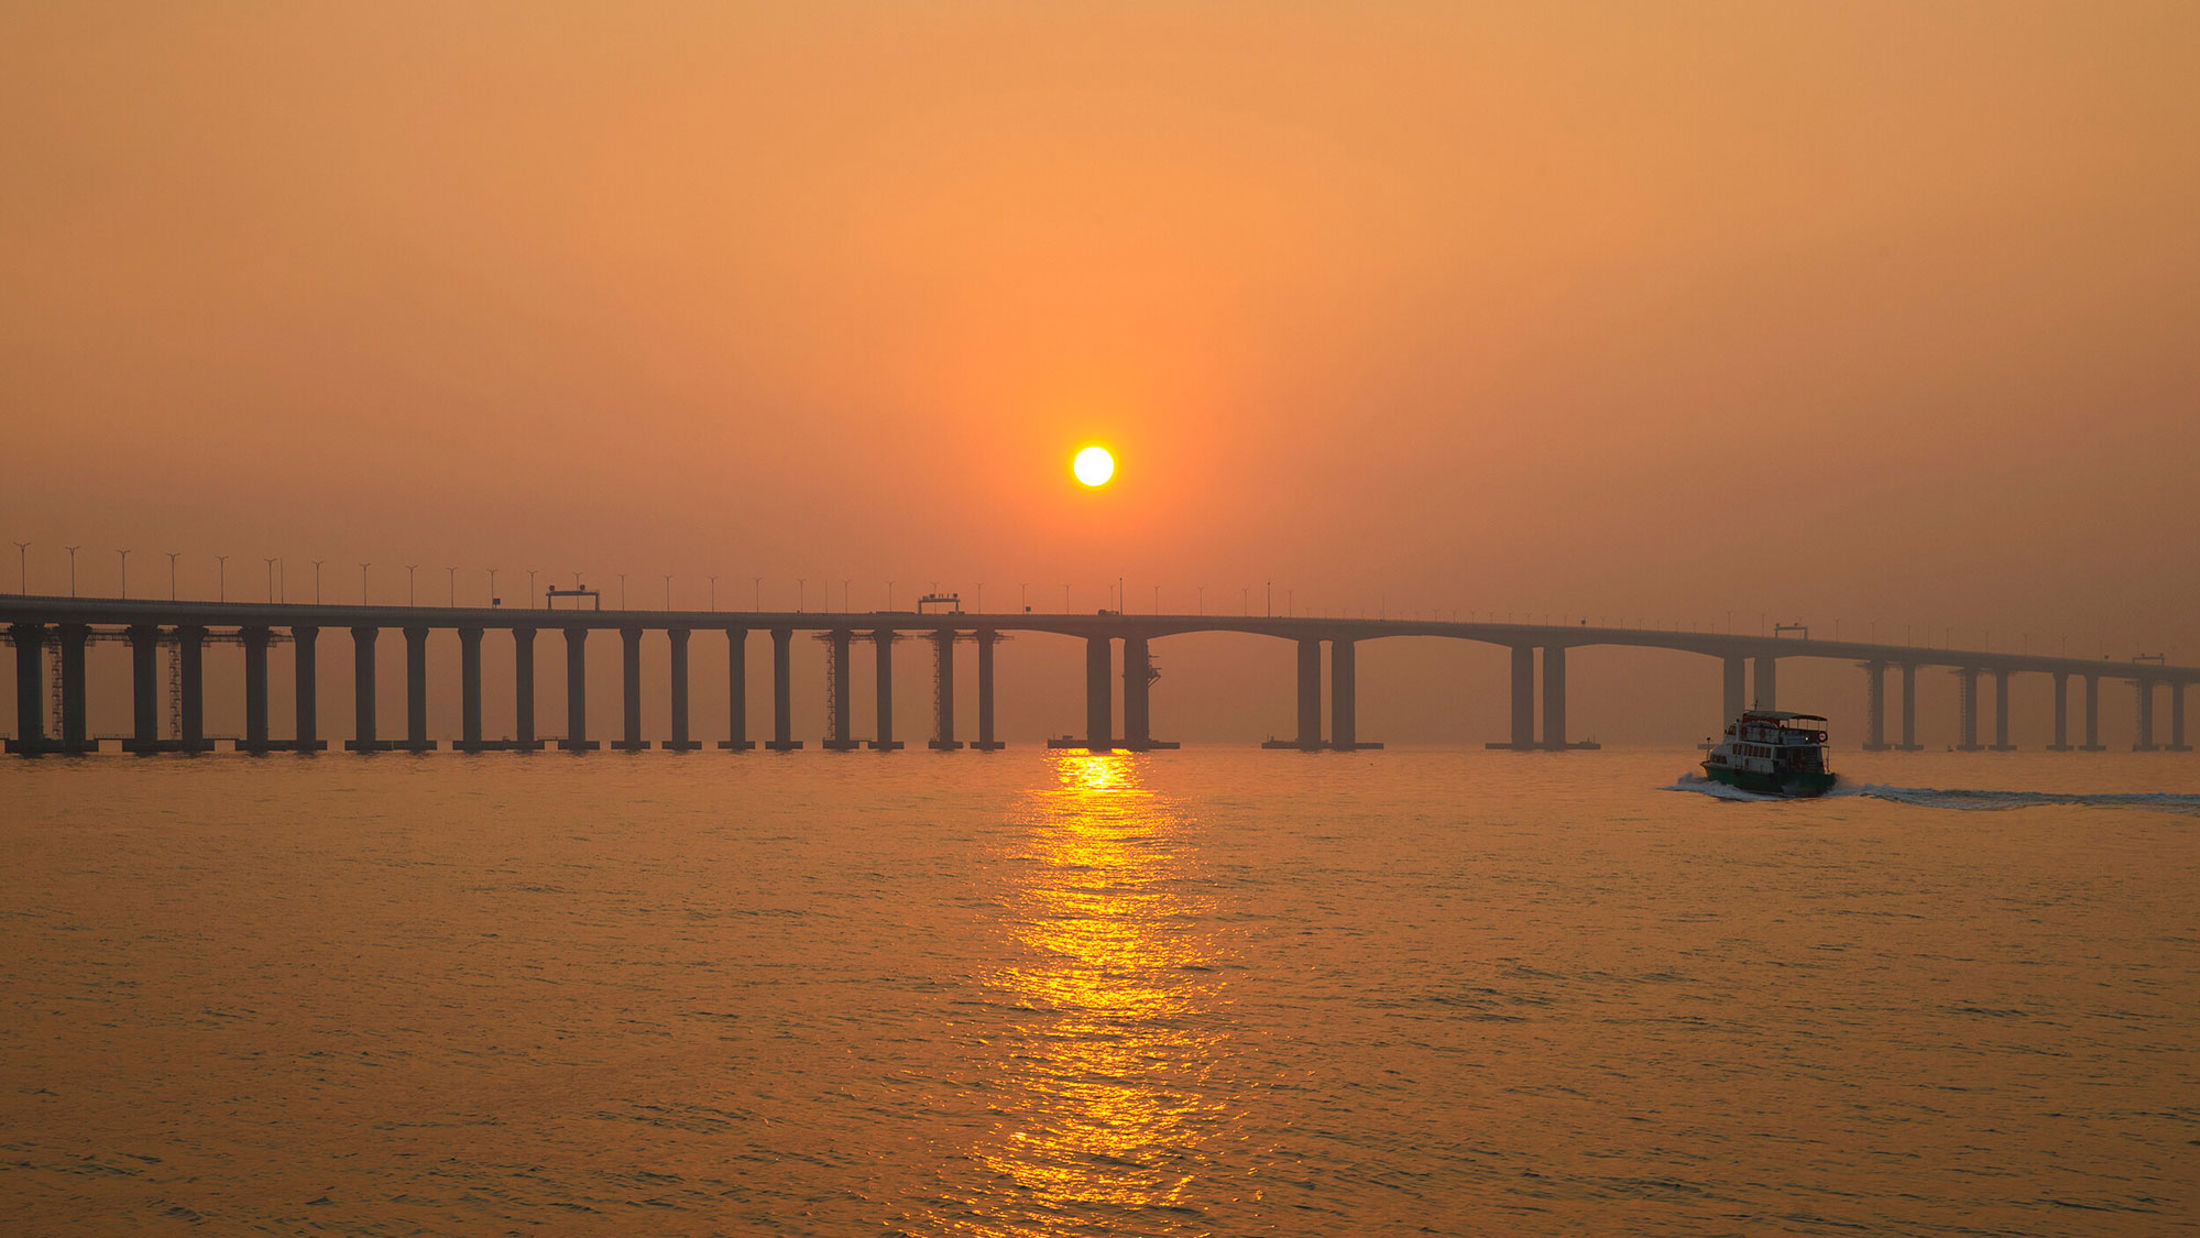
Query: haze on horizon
point(1871, 313)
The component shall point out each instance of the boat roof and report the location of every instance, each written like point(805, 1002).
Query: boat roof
point(1781, 715)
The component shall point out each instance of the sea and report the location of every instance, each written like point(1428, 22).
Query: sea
point(1218, 991)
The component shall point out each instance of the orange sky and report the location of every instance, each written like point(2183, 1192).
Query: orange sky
point(1881, 313)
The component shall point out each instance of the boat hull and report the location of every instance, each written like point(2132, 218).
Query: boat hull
point(1791, 785)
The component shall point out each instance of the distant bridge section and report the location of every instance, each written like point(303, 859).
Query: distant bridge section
point(53, 632)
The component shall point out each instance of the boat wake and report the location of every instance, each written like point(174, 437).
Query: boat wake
point(1961, 800)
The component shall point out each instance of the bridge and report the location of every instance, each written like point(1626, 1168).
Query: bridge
point(52, 633)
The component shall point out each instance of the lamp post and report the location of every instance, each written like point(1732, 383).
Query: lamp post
point(22, 569)
point(668, 591)
point(317, 582)
point(801, 594)
point(72, 569)
point(410, 568)
point(270, 561)
point(492, 586)
point(454, 585)
point(622, 591)
point(758, 604)
point(125, 557)
point(221, 578)
point(714, 593)
point(363, 582)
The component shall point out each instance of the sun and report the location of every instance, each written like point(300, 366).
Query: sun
point(1094, 466)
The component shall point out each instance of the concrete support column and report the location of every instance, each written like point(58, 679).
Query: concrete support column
point(469, 689)
point(2145, 688)
point(2092, 714)
point(883, 647)
point(1967, 709)
point(2177, 717)
point(1137, 703)
point(737, 692)
point(2062, 713)
point(74, 733)
point(144, 689)
point(783, 739)
point(1554, 697)
point(2001, 713)
point(1099, 708)
point(987, 638)
point(1734, 698)
point(306, 724)
point(362, 690)
point(679, 673)
point(576, 691)
point(416, 691)
point(943, 691)
point(191, 649)
point(1909, 707)
point(1523, 697)
point(1344, 695)
point(1875, 703)
point(630, 694)
point(255, 688)
point(1310, 694)
point(839, 642)
point(523, 689)
point(30, 691)
point(1768, 681)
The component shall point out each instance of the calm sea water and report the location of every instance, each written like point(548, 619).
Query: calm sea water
point(1203, 992)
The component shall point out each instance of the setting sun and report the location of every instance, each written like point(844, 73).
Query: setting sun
point(1094, 466)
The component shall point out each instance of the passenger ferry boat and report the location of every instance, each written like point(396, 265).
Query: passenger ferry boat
point(1767, 752)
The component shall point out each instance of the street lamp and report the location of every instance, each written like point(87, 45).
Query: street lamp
point(759, 583)
point(22, 569)
point(492, 586)
point(317, 582)
point(622, 591)
point(454, 584)
point(714, 593)
point(410, 568)
point(801, 594)
point(668, 591)
point(125, 556)
point(221, 578)
point(270, 561)
point(363, 582)
point(72, 569)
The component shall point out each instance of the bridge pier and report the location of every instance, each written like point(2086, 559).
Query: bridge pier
point(362, 691)
point(2001, 713)
point(1309, 738)
point(416, 691)
point(1967, 709)
point(1344, 697)
point(144, 690)
point(737, 692)
point(678, 638)
point(30, 693)
point(883, 642)
point(1554, 697)
point(943, 692)
point(74, 732)
point(837, 737)
point(1909, 707)
point(576, 692)
point(2177, 717)
point(630, 695)
point(1523, 697)
point(1099, 710)
point(2062, 713)
point(782, 739)
point(1137, 703)
point(191, 649)
point(469, 690)
point(987, 637)
point(1875, 707)
point(2145, 742)
point(2092, 715)
point(523, 690)
point(1768, 681)
point(306, 700)
point(255, 689)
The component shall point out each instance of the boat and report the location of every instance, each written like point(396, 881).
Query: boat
point(1772, 752)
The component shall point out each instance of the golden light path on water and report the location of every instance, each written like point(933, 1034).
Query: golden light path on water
point(1108, 1118)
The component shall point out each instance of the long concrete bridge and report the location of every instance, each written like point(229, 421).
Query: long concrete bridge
point(65, 626)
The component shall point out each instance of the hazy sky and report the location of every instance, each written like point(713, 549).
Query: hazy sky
point(1878, 313)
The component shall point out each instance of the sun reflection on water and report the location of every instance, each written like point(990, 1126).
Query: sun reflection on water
point(1110, 1115)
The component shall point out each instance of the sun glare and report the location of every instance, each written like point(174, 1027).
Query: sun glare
point(1094, 466)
